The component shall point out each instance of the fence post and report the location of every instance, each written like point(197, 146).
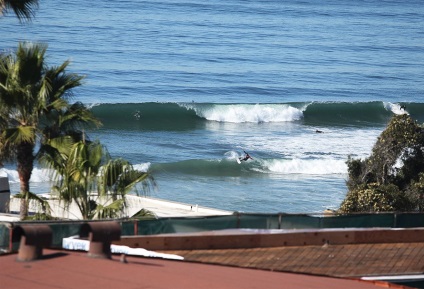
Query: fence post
point(238, 220)
point(135, 227)
point(10, 237)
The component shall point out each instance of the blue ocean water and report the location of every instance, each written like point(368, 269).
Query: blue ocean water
point(183, 87)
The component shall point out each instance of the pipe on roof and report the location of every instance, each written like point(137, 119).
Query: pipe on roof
point(100, 235)
point(32, 240)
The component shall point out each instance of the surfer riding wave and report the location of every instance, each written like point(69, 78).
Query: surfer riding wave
point(246, 157)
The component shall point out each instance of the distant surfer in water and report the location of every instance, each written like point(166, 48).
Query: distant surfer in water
point(246, 157)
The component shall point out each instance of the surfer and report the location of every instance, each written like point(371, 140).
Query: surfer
point(403, 107)
point(246, 157)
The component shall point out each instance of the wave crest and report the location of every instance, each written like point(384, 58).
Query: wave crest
point(254, 113)
point(187, 116)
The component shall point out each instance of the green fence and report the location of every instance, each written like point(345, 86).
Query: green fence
point(5, 234)
point(63, 229)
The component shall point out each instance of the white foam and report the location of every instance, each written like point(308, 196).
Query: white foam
point(254, 113)
point(142, 167)
point(91, 105)
point(38, 175)
point(395, 108)
point(306, 166)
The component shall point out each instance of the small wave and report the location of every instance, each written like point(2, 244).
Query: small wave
point(349, 113)
point(145, 116)
point(198, 167)
point(229, 167)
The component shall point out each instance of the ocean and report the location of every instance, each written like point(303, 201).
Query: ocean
point(184, 87)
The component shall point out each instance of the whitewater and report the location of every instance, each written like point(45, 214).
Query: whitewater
point(184, 88)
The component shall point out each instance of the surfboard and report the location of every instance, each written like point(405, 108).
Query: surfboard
point(238, 161)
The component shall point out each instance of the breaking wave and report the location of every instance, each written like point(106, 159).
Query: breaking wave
point(183, 116)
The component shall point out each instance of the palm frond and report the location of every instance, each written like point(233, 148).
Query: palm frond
point(23, 9)
point(54, 154)
point(144, 214)
point(78, 116)
point(118, 177)
point(110, 211)
point(20, 134)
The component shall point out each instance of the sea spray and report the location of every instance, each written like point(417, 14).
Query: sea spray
point(396, 108)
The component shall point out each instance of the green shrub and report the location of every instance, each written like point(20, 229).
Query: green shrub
point(392, 177)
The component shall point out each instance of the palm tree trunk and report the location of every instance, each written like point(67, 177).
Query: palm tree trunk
point(25, 164)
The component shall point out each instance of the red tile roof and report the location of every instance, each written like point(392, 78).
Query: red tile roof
point(349, 261)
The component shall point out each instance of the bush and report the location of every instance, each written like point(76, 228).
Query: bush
point(392, 177)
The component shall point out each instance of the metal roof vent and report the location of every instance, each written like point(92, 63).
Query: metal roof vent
point(100, 235)
point(32, 240)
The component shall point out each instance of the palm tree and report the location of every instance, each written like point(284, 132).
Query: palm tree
point(86, 175)
point(24, 9)
point(34, 107)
